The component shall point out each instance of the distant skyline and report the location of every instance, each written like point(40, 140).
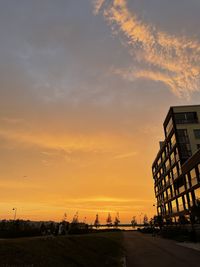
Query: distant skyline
point(84, 89)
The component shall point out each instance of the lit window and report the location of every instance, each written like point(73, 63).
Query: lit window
point(174, 207)
point(167, 166)
point(197, 193)
point(175, 173)
point(180, 204)
point(173, 140)
point(172, 158)
point(186, 202)
point(193, 174)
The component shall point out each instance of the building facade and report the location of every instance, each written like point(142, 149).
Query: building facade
point(176, 168)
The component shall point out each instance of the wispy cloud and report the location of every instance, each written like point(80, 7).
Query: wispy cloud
point(173, 60)
point(63, 144)
point(126, 155)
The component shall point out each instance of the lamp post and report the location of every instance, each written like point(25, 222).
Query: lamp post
point(15, 213)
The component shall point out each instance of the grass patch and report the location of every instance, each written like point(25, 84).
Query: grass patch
point(100, 249)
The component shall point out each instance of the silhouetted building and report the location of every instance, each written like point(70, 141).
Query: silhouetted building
point(176, 168)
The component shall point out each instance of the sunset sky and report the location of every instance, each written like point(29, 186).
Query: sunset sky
point(84, 88)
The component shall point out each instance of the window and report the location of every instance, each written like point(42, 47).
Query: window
point(179, 168)
point(183, 136)
point(169, 193)
point(159, 161)
point(197, 194)
point(166, 208)
point(163, 156)
point(175, 173)
point(165, 195)
point(173, 140)
point(185, 117)
point(180, 204)
point(187, 181)
point(193, 174)
point(156, 190)
point(185, 201)
point(174, 207)
point(176, 154)
point(197, 133)
point(159, 210)
point(184, 143)
point(167, 166)
point(190, 199)
point(172, 158)
point(169, 127)
point(181, 189)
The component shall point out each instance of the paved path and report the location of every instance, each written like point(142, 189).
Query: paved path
point(143, 250)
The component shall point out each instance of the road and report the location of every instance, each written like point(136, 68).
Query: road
point(143, 250)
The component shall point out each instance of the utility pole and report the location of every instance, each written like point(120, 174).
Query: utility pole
point(15, 213)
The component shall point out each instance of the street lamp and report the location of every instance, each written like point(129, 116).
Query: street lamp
point(15, 213)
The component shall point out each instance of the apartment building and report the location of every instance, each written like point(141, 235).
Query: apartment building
point(176, 168)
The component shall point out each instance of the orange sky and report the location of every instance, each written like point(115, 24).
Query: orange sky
point(84, 90)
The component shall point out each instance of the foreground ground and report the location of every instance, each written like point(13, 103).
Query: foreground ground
point(96, 250)
point(93, 250)
point(144, 250)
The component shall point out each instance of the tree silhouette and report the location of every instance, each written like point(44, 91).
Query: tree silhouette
point(133, 221)
point(109, 220)
point(75, 218)
point(145, 220)
point(96, 222)
point(117, 220)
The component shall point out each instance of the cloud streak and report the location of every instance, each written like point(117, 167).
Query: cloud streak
point(173, 60)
